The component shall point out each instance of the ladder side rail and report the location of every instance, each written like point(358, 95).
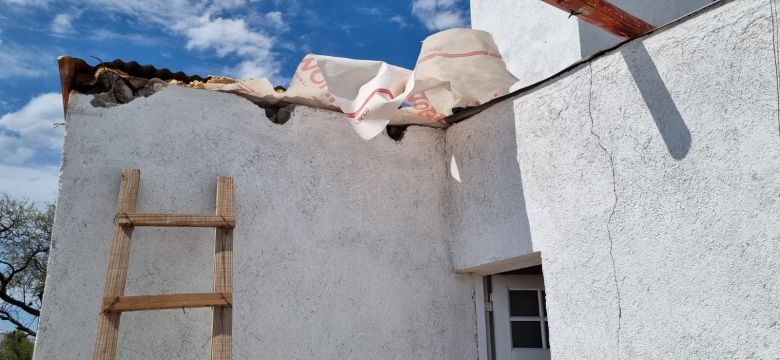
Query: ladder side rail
point(116, 273)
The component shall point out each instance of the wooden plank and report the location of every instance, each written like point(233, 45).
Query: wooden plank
point(116, 274)
point(606, 16)
point(119, 304)
point(176, 220)
point(222, 318)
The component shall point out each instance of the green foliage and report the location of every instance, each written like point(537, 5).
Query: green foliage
point(25, 234)
point(16, 346)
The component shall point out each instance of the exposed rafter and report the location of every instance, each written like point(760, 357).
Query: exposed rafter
point(606, 16)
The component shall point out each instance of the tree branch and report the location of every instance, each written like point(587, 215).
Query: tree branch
point(20, 304)
point(4, 315)
point(25, 235)
point(26, 264)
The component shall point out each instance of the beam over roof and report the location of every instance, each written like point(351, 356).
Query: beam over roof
point(606, 16)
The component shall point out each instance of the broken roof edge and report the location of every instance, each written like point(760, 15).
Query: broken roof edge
point(75, 73)
point(469, 112)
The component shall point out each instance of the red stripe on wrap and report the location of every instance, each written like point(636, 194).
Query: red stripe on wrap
point(450, 55)
point(376, 91)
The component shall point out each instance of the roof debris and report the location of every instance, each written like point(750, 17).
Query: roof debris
point(456, 69)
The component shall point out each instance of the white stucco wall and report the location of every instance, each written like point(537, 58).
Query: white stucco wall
point(648, 180)
point(538, 40)
point(535, 39)
point(487, 207)
point(340, 249)
point(651, 180)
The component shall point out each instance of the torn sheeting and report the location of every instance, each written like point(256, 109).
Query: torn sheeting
point(456, 68)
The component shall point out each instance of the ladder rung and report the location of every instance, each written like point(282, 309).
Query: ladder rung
point(165, 301)
point(176, 220)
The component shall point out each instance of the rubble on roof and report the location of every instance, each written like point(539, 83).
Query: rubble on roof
point(119, 88)
point(456, 69)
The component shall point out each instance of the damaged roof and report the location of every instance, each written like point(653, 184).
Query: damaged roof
point(77, 74)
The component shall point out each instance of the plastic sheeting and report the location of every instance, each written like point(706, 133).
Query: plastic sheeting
point(457, 68)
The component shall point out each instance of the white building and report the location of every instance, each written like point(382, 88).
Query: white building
point(639, 193)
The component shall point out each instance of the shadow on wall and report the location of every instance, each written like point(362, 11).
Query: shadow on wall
point(656, 12)
point(489, 219)
point(670, 123)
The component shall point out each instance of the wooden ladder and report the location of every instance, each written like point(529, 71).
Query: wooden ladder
point(221, 300)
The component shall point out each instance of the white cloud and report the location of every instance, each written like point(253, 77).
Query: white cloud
point(398, 19)
point(108, 35)
point(23, 62)
point(233, 37)
point(206, 27)
point(157, 12)
point(370, 10)
point(274, 20)
point(25, 132)
point(62, 24)
point(439, 14)
point(38, 184)
point(253, 69)
point(31, 3)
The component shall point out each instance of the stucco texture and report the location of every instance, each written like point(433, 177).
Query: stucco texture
point(538, 40)
point(651, 187)
point(340, 246)
point(647, 179)
point(535, 39)
point(487, 207)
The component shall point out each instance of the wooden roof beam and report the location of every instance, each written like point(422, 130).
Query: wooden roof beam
point(606, 16)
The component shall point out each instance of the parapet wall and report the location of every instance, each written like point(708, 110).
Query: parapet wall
point(340, 249)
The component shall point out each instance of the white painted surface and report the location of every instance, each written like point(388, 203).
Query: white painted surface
point(340, 249)
point(686, 225)
point(535, 39)
point(487, 208)
point(538, 40)
point(678, 255)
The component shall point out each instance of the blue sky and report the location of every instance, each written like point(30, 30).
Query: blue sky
point(240, 38)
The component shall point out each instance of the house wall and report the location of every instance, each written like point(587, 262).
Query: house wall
point(647, 179)
point(487, 213)
point(651, 187)
point(341, 249)
point(535, 39)
point(538, 40)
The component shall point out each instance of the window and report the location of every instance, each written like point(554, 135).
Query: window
point(520, 317)
point(528, 319)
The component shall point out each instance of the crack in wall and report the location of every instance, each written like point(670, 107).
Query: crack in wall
point(614, 205)
point(777, 61)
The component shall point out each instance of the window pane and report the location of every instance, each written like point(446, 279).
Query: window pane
point(523, 303)
point(526, 334)
point(544, 303)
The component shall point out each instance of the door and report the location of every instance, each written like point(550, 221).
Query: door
point(520, 317)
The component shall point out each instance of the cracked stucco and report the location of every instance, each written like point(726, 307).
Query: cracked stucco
point(654, 249)
point(614, 206)
point(648, 180)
